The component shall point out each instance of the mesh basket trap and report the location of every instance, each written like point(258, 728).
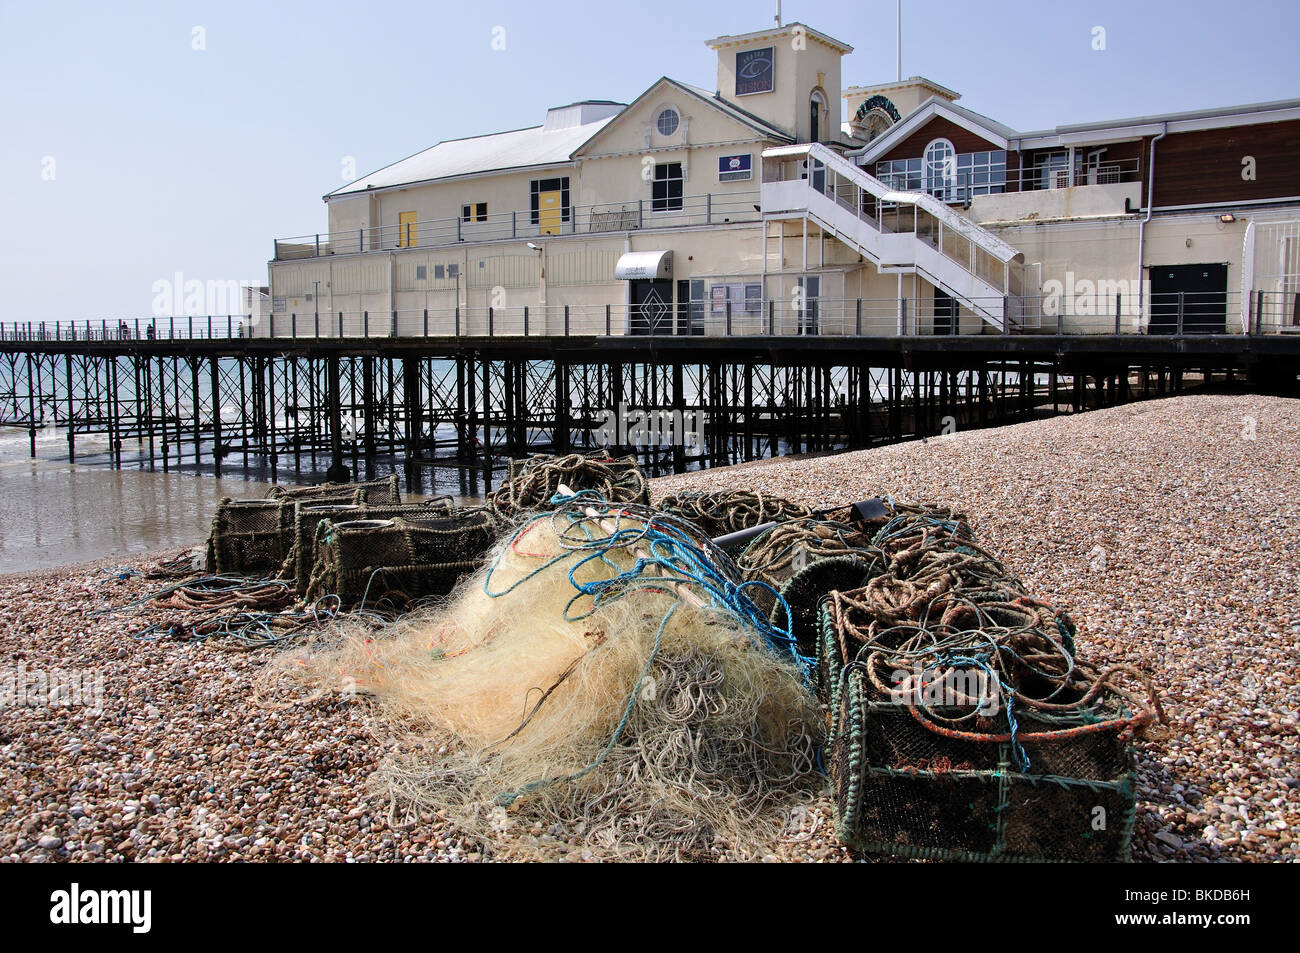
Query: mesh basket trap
point(947, 782)
point(399, 559)
point(255, 537)
point(384, 490)
point(301, 558)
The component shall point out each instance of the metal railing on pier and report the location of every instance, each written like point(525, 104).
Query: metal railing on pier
point(1182, 313)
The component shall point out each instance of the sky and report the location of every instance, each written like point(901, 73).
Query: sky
point(139, 141)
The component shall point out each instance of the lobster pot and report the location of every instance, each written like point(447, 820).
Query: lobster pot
point(309, 515)
point(399, 559)
point(532, 482)
point(376, 492)
point(250, 537)
point(808, 587)
point(904, 790)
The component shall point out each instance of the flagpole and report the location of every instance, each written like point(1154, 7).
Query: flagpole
point(898, 47)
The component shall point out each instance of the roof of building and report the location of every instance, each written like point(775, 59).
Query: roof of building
point(778, 31)
point(901, 84)
point(735, 112)
point(760, 126)
point(1005, 136)
point(981, 125)
point(496, 152)
point(1191, 117)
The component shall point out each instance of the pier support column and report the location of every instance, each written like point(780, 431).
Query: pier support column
point(413, 424)
point(337, 472)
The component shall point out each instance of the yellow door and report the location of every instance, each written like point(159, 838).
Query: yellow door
point(407, 237)
point(550, 213)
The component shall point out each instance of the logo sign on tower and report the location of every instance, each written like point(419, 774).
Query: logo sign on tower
point(755, 71)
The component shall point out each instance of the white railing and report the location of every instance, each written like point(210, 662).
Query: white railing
point(709, 209)
point(903, 231)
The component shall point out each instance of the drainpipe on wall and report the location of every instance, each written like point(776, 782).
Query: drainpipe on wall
point(392, 290)
point(1142, 227)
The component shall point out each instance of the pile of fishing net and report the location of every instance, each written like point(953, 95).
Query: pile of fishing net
point(605, 688)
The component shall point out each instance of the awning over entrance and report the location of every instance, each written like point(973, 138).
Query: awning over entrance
point(644, 264)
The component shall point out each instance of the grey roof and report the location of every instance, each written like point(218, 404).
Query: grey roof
point(533, 147)
point(496, 152)
point(1189, 116)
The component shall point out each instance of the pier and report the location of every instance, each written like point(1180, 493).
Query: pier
point(220, 394)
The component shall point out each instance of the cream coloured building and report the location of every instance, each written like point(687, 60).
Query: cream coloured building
point(759, 208)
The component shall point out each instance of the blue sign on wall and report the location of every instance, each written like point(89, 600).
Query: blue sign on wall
point(732, 168)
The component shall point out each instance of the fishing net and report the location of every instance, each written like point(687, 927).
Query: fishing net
point(398, 560)
point(720, 512)
point(604, 689)
point(532, 482)
point(301, 558)
point(963, 725)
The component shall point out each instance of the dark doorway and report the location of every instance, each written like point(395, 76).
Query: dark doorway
point(945, 312)
point(1201, 291)
point(652, 307)
point(684, 310)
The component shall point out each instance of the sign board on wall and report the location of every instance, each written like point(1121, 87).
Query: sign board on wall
point(755, 71)
point(735, 168)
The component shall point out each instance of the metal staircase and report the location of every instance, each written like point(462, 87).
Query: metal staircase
point(900, 232)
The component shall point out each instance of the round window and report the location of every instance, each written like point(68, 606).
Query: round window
point(667, 122)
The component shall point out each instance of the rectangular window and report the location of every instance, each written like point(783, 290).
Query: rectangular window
point(697, 306)
point(474, 213)
point(743, 296)
point(978, 173)
point(901, 174)
point(810, 289)
point(1052, 170)
point(666, 189)
point(555, 192)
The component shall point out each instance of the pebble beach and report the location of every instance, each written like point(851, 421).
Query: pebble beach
point(1165, 527)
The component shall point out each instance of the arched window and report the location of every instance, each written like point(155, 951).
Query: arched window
point(818, 117)
point(941, 169)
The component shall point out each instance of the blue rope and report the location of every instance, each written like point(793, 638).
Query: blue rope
point(669, 548)
point(1017, 749)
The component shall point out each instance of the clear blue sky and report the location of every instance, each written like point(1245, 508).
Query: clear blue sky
point(168, 158)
